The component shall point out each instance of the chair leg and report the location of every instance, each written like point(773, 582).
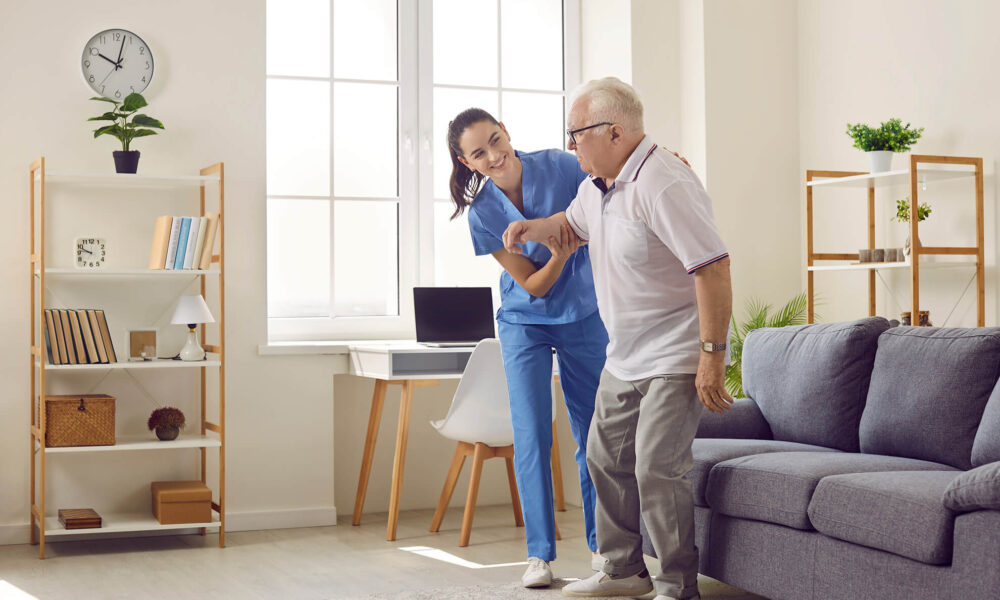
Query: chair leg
point(461, 451)
point(515, 499)
point(558, 535)
point(480, 454)
point(557, 478)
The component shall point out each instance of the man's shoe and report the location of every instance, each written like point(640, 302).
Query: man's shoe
point(662, 597)
point(601, 584)
point(596, 562)
point(538, 574)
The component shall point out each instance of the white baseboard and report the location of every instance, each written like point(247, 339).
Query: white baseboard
point(235, 521)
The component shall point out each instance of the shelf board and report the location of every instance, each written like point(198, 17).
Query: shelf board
point(128, 180)
point(120, 523)
point(126, 273)
point(890, 178)
point(886, 266)
point(150, 364)
point(127, 443)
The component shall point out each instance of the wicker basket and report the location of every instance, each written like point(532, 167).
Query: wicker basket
point(81, 420)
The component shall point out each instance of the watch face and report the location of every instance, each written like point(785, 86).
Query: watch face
point(117, 63)
point(90, 253)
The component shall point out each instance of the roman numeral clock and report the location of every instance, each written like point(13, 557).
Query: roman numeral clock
point(117, 63)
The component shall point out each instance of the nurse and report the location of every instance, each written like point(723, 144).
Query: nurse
point(547, 302)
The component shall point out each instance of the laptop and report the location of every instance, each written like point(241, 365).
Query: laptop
point(453, 316)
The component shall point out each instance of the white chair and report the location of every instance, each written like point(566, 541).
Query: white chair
point(479, 420)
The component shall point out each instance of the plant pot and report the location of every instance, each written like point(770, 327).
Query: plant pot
point(126, 162)
point(167, 433)
point(907, 246)
point(879, 161)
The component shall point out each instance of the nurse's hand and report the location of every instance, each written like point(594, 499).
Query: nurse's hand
point(684, 160)
point(565, 246)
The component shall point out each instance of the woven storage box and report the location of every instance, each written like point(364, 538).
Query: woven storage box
point(181, 502)
point(81, 420)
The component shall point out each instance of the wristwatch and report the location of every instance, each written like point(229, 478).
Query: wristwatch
point(711, 346)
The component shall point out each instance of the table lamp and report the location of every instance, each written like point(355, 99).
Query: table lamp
point(192, 310)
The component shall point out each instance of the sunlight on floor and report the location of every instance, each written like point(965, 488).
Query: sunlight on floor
point(11, 592)
point(451, 558)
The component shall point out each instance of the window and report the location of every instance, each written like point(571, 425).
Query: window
point(359, 95)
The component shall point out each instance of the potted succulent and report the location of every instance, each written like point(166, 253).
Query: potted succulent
point(903, 216)
point(167, 423)
point(126, 126)
point(881, 142)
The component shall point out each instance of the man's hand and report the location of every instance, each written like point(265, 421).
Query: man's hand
point(711, 382)
point(514, 235)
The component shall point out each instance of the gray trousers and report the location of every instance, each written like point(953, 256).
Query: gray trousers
point(638, 452)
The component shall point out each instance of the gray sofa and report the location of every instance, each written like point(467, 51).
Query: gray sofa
point(862, 464)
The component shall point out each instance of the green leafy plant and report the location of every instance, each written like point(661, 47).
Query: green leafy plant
point(126, 124)
point(165, 417)
point(792, 313)
point(903, 211)
point(891, 136)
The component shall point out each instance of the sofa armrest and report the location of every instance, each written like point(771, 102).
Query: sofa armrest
point(743, 421)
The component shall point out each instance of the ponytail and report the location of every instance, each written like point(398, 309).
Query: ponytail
point(464, 182)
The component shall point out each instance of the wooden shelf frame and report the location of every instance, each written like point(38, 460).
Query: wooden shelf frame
point(212, 434)
point(872, 180)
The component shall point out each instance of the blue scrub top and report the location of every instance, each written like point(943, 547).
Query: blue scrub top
point(549, 182)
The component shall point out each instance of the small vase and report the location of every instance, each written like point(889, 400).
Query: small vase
point(126, 162)
point(167, 433)
point(907, 245)
point(879, 161)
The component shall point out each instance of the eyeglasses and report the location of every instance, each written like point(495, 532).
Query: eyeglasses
point(572, 132)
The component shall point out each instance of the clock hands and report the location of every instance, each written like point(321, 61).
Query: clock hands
point(108, 75)
point(108, 59)
point(118, 64)
point(87, 251)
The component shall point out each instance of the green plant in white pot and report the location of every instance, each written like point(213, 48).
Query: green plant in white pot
point(881, 142)
point(126, 126)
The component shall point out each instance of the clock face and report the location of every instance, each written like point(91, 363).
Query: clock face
point(90, 253)
point(117, 63)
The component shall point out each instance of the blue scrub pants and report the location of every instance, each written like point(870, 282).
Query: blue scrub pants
point(527, 357)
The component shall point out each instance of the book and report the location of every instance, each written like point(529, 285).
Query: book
point(213, 226)
point(51, 343)
point(175, 230)
point(86, 335)
point(106, 334)
point(64, 344)
point(182, 239)
point(95, 327)
point(161, 239)
point(79, 518)
point(192, 242)
point(74, 326)
point(200, 245)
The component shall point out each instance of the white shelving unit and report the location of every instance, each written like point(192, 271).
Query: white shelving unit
point(211, 435)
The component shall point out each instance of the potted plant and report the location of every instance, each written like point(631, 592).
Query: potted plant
point(126, 126)
point(903, 216)
point(880, 143)
point(792, 313)
point(167, 423)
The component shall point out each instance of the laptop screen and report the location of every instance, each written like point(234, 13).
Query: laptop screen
point(453, 314)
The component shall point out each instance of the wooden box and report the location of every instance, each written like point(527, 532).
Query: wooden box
point(79, 518)
point(181, 502)
point(80, 420)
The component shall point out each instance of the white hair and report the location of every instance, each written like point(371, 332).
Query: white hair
point(611, 99)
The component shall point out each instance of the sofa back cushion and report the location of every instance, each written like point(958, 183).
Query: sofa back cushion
point(928, 391)
point(811, 381)
point(986, 447)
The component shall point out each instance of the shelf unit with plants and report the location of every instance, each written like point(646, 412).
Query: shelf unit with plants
point(923, 170)
point(211, 435)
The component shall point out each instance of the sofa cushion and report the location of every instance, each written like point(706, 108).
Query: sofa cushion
point(811, 381)
point(743, 420)
point(897, 512)
point(986, 446)
point(777, 487)
point(929, 389)
point(974, 490)
point(708, 452)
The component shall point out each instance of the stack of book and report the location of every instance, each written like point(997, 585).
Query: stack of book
point(78, 337)
point(183, 242)
point(79, 518)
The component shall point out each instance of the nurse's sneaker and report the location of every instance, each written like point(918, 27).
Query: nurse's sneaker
point(596, 562)
point(538, 574)
point(601, 584)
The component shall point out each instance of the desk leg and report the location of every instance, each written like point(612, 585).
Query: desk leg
point(403, 430)
point(378, 399)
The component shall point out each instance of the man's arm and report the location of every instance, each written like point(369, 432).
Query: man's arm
point(535, 230)
point(714, 293)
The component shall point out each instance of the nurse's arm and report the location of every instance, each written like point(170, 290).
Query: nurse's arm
point(538, 282)
point(535, 230)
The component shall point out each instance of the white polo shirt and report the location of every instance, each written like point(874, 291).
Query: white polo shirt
point(648, 234)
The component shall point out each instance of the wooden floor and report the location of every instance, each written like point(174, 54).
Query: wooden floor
point(313, 563)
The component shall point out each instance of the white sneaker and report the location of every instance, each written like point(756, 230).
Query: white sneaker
point(596, 562)
point(538, 574)
point(662, 597)
point(601, 584)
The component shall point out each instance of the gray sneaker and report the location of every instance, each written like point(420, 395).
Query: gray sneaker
point(538, 574)
point(601, 584)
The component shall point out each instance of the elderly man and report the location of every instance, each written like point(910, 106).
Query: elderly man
point(662, 277)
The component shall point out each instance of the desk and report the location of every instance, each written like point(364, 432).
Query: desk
point(410, 365)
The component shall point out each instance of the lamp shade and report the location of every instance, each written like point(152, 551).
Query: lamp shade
point(192, 309)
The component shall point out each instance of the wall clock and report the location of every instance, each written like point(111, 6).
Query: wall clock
point(90, 253)
point(117, 63)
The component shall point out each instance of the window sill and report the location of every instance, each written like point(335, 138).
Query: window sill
point(304, 348)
